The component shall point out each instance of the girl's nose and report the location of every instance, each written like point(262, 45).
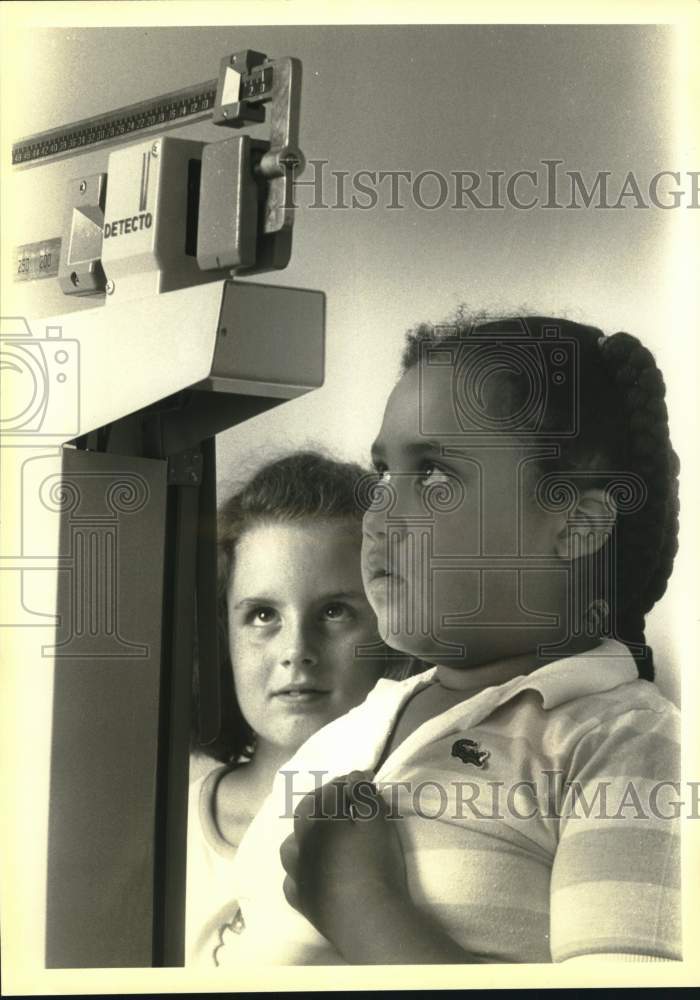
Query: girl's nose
point(298, 648)
point(296, 658)
point(374, 525)
point(397, 504)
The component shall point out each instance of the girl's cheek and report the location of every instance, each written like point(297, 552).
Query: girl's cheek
point(369, 631)
point(248, 646)
point(358, 631)
point(342, 647)
point(253, 637)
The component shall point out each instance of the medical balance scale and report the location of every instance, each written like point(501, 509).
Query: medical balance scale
point(175, 349)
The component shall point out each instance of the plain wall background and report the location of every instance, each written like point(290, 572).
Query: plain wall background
point(444, 98)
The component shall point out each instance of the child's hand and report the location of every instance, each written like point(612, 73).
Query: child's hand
point(337, 866)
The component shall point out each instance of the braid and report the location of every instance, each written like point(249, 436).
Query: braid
point(622, 425)
point(647, 540)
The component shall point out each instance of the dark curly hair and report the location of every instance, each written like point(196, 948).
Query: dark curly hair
point(622, 425)
point(304, 485)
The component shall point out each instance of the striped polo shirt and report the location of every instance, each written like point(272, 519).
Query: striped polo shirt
point(536, 817)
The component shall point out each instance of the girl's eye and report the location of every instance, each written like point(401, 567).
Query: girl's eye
point(262, 616)
point(336, 613)
point(431, 473)
point(383, 474)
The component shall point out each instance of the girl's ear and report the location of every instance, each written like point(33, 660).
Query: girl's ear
point(591, 520)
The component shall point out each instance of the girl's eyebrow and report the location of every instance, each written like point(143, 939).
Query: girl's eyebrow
point(421, 445)
point(427, 444)
point(343, 595)
point(248, 602)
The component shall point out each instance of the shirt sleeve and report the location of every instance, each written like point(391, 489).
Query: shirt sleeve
point(615, 886)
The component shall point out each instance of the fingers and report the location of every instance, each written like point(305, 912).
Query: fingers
point(360, 780)
point(289, 855)
point(290, 893)
point(326, 802)
point(348, 797)
point(355, 776)
point(364, 800)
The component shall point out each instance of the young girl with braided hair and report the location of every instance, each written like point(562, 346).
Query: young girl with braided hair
point(514, 802)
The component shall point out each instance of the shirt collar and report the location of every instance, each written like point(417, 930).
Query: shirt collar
point(603, 668)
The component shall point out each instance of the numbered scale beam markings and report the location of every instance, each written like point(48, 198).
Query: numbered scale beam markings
point(193, 103)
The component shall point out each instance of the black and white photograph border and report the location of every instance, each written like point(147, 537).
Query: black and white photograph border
point(495, 161)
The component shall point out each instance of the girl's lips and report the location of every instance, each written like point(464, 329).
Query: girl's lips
point(374, 563)
point(384, 576)
point(301, 695)
point(379, 574)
